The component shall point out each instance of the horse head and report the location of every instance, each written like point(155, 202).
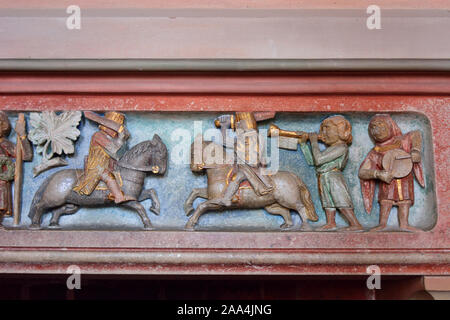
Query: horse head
point(150, 155)
point(159, 154)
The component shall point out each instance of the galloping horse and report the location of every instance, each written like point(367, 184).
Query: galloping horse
point(56, 192)
point(289, 193)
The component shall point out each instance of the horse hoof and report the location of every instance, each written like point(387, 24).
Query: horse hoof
point(189, 227)
point(148, 226)
point(286, 226)
point(34, 226)
point(155, 210)
point(54, 226)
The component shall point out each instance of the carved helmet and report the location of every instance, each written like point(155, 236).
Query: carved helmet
point(117, 117)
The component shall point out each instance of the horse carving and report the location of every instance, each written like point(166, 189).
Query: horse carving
point(290, 193)
point(56, 192)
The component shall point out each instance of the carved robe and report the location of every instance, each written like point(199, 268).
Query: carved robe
point(98, 164)
point(333, 189)
point(399, 189)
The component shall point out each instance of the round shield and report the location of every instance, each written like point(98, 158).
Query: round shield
point(398, 162)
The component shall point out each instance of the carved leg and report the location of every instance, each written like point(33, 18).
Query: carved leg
point(403, 214)
point(230, 190)
point(115, 189)
point(196, 193)
point(331, 220)
point(1, 220)
point(282, 211)
point(385, 210)
point(57, 213)
point(201, 209)
point(302, 212)
point(39, 210)
point(151, 194)
point(354, 224)
point(139, 208)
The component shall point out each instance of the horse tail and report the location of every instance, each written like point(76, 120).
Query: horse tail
point(37, 198)
point(305, 196)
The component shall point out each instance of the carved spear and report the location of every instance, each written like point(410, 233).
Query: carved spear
point(18, 172)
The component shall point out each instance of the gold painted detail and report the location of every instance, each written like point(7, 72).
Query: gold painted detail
point(98, 160)
point(397, 144)
point(399, 189)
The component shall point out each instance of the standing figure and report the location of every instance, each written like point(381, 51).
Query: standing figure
point(247, 154)
point(336, 133)
point(107, 146)
point(7, 152)
point(394, 162)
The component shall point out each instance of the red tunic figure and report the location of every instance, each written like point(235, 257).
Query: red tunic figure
point(7, 152)
point(394, 162)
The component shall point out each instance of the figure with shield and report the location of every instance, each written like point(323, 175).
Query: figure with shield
point(393, 163)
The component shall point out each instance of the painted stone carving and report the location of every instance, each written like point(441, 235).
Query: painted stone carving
point(241, 184)
point(336, 134)
point(10, 171)
point(112, 175)
point(394, 162)
point(53, 134)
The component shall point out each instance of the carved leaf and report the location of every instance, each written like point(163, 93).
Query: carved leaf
point(54, 133)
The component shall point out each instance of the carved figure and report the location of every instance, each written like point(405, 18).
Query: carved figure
point(289, 192)
point(67, 190)
point(246, 150)
point(8, 151)
point(393, 163)
point(53, 134)
point(336, 134)
point(107, 145)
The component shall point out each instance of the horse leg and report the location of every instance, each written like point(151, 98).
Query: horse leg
point(282, 211)
point(139, 208)
point(201, 209)
point(65, 209)
point(39, 210)
point(300, 208)
point(195, 193)
point(151, 194)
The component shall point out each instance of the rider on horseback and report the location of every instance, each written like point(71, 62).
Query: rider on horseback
point(246, 148)
point(107, 146)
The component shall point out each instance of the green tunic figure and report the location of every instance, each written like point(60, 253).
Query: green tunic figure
point(336, 133)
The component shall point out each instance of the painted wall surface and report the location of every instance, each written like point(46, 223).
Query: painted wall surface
point(175, 186)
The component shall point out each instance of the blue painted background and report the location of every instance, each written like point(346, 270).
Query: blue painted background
point(175, 186)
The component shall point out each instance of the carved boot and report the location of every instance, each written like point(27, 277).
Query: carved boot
point(116, 192)
point(229, 193)
point(259, 182)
